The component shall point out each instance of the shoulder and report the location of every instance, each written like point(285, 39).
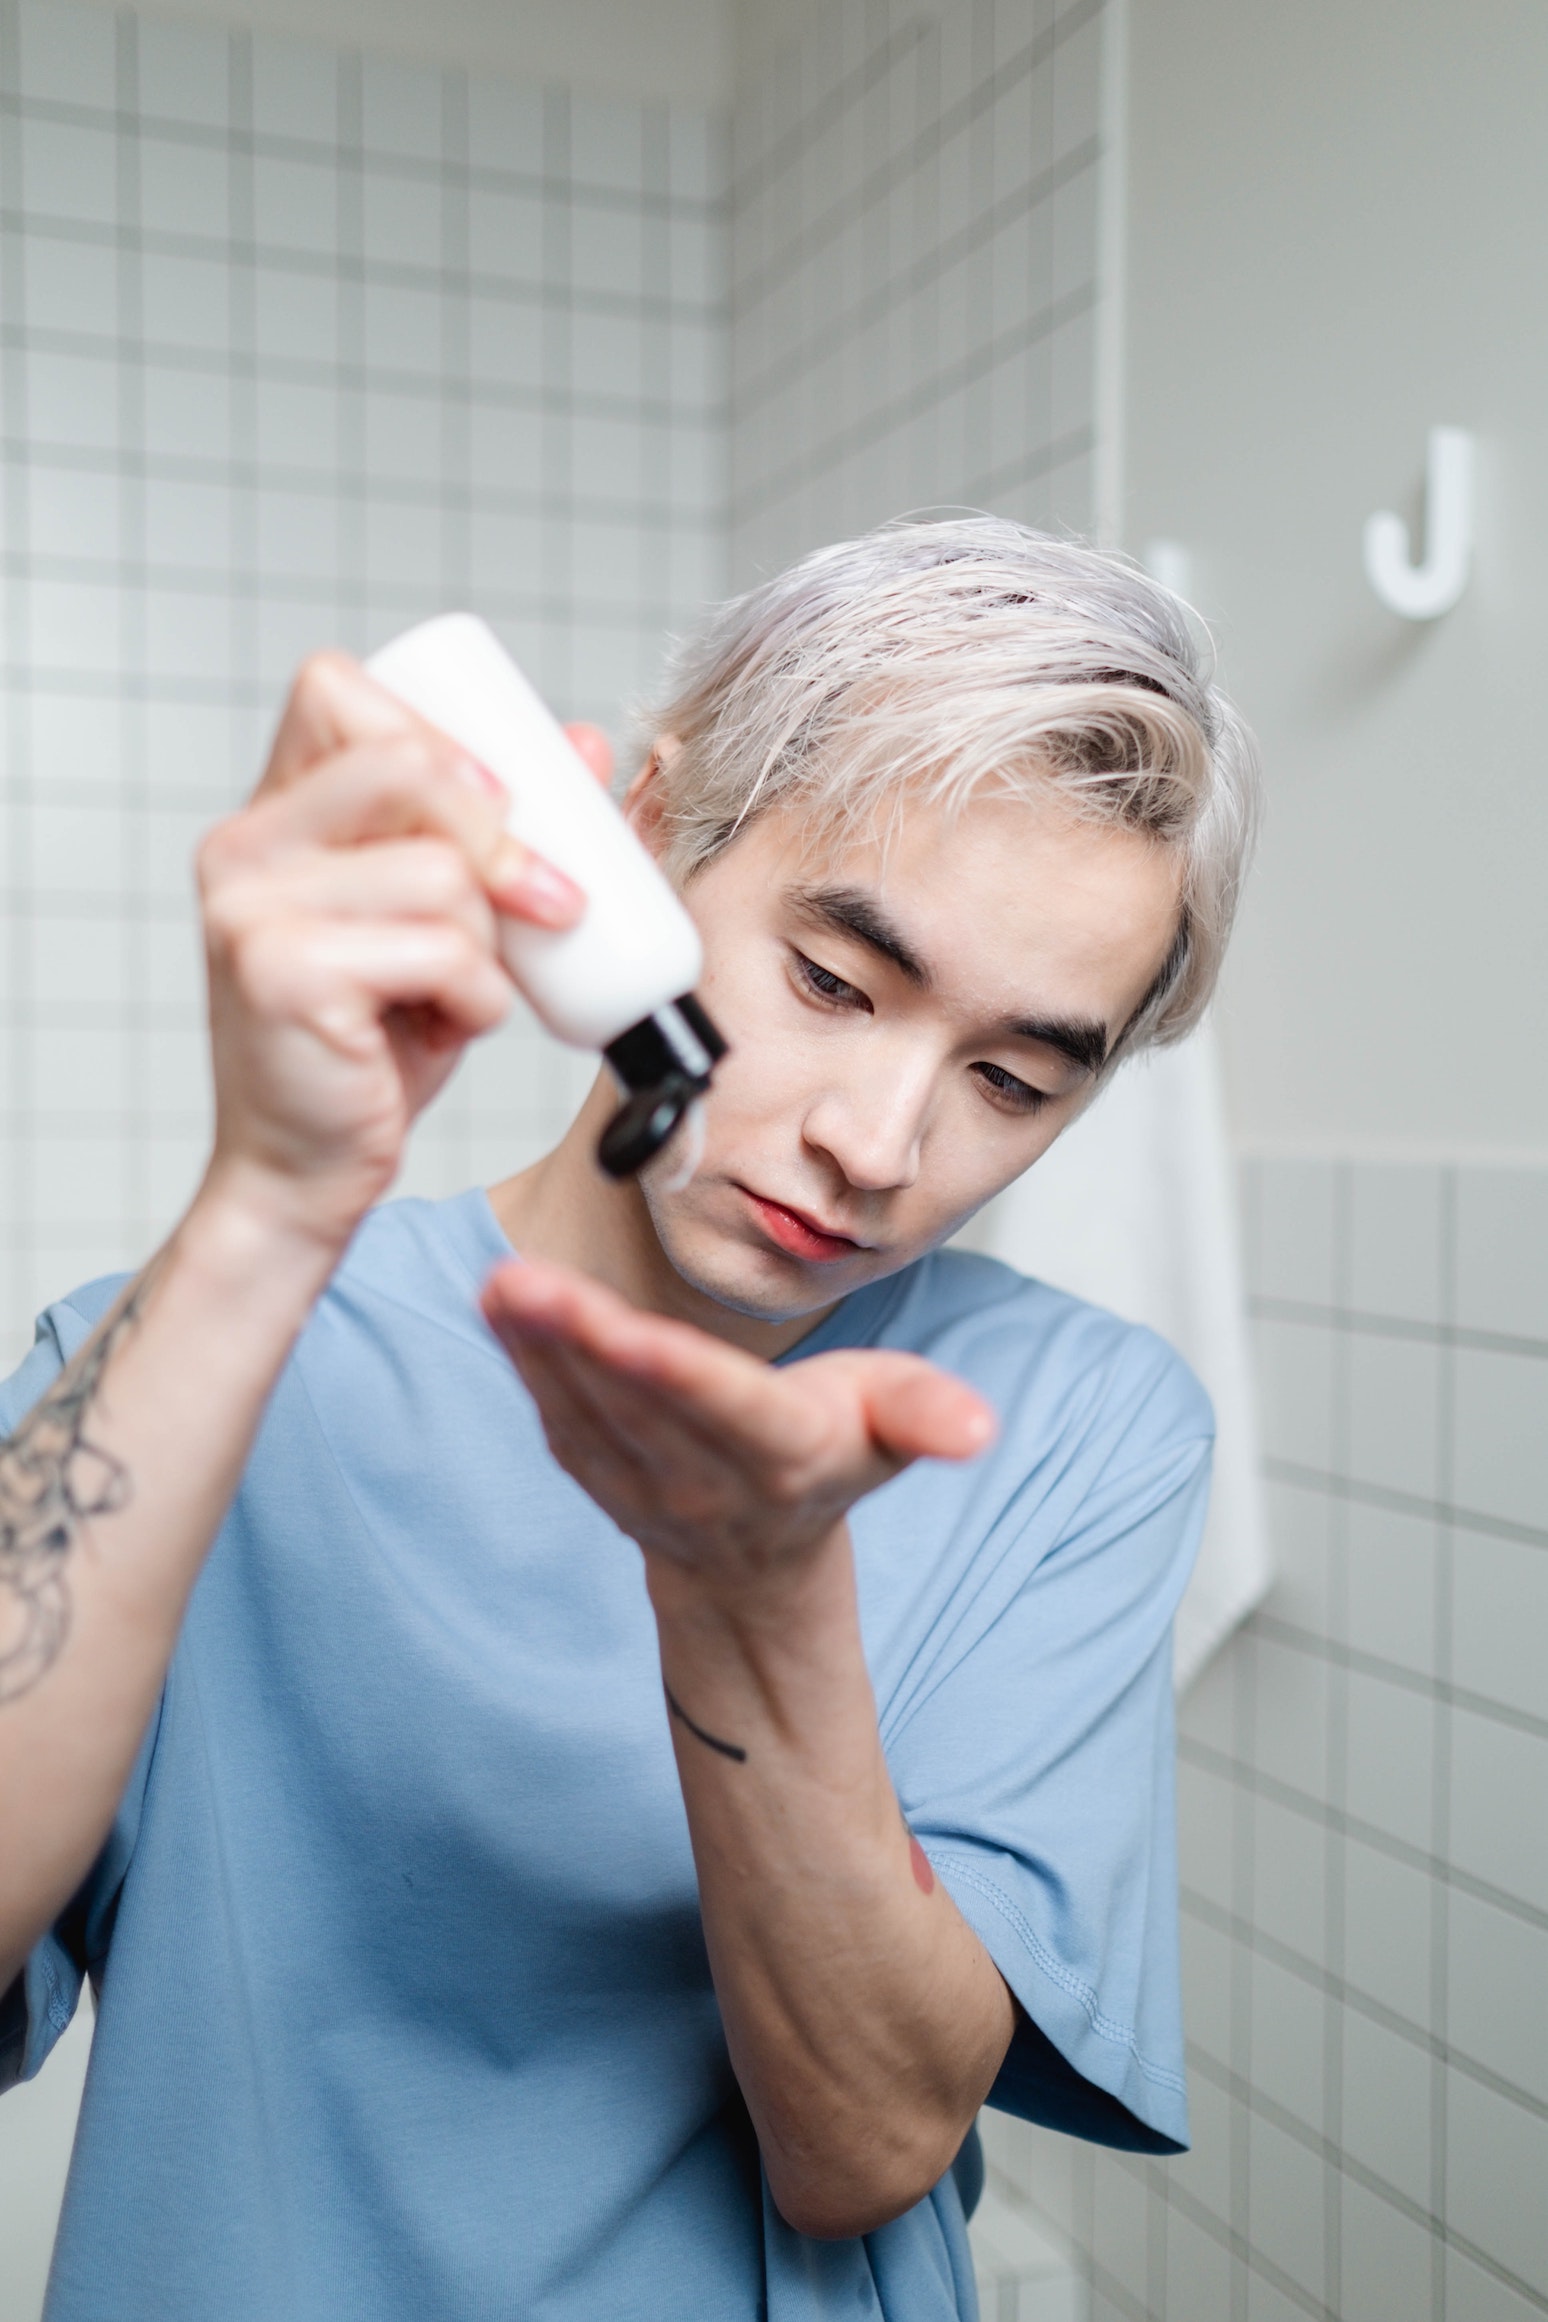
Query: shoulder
point(425, 1258)
point(70, 1321)
point(1029, 1346)
point(409, 1257)
point(61, 1329)
point(411, 1235)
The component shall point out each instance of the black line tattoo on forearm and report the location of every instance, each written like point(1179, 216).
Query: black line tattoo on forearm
point(711, 1741)
point(53, 1479)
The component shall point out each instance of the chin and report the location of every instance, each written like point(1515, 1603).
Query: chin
point(723, 1266)
point(737, 1278)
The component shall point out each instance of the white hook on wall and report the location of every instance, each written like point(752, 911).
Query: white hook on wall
point(1421, 592)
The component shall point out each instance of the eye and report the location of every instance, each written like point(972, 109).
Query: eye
point(824, 985)
point(1015, 1095)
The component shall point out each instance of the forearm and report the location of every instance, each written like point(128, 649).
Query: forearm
point(864, 2018)
point(111, 1491)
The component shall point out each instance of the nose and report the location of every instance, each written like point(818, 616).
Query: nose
point(872, 1127)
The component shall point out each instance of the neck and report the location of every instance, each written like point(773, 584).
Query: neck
point(564, 1209)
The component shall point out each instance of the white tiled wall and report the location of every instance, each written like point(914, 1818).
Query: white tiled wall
point(295, 348)
point(914, 271)
point(1364, 1794)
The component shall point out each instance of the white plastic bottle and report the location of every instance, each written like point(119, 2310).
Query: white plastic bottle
point(622, 978)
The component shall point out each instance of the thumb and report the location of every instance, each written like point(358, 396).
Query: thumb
point(915, 1411)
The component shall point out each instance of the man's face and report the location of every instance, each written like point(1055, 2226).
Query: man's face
point(910, 1027)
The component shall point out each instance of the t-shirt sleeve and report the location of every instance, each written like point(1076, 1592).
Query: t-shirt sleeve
point(1036, 1762)
point(41, 2000)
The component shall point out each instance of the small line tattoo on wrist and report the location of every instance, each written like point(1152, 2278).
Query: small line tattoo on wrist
point(711, 1741)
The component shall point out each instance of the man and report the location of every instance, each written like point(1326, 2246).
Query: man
point(493, 1917)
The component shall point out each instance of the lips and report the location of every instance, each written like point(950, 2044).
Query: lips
point(799, 1235)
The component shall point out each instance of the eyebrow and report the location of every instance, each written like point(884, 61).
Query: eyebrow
point(853, 912)
point(1085, 1044)
point(850, 911)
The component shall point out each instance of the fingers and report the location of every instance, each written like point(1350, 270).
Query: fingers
point(915, 1411)
point(733, 1393)
point(701, 1453)
point(540, 1301)
point(657, 1432)
point(592, 746)
point(831, 1408)
point(339, 975)
point(668, 1480)
point(391, 788)
point(404, 786)
point(591, 1427)
point(332, 706)
point(418, 878)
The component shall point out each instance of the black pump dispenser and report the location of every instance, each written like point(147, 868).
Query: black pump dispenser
point(664, 1062)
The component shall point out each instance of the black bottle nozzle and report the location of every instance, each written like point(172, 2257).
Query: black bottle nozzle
point(664, 1062)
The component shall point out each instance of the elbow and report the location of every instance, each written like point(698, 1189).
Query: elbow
point(830, 2199)
point(834, 2219)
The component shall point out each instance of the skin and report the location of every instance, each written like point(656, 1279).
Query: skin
point(351, 911)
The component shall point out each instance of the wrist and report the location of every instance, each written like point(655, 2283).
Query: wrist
point(242, 1232)
point(756, 1610)
point(780, 1660)
point(773, 1700)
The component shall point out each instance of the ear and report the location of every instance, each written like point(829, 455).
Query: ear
point(643, 802)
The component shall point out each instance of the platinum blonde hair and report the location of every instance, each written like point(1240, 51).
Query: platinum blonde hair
point(940, 658)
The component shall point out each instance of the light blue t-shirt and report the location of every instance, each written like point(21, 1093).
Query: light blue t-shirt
point(404, 2008)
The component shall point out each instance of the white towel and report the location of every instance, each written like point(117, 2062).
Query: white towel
point(1135, 1209)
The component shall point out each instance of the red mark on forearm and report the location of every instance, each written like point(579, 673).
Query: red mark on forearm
point(919, 1864)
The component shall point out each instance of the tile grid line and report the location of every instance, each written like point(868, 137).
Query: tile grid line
point(356, 265)
point(1437, 1689)
point(1402, 1503)
point(246, 590)
point(1443, 1734)
point(279, 475)
point(17, 1175)
point(1336, 1851)
point(1241, 1996)
point(1249, 2259)
point(191, 692)
point(917, 399)
point(270, 145)
point(921, 275)
point(981, 98)
point(1317, 1810)
point(304, 582)
point(984, 490)
point(279, 588)
point(1337, 1988)
point(452, 1121)
point(558, 326)
point(130, 603)
point(843, 98)
point(1395, 1326)
point(1254, 2101)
